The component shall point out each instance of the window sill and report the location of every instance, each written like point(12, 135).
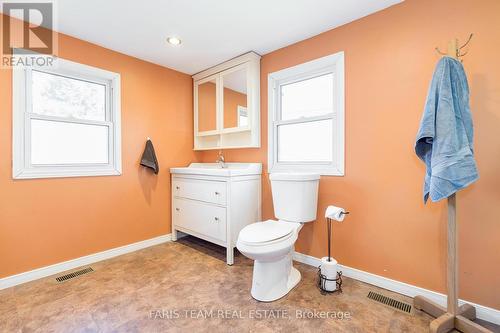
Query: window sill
point(39, 174)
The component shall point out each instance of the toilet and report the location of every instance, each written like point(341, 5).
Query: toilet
point(271, 243)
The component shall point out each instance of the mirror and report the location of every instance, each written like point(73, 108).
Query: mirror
point(235, 99)
point(207, 106)
point(227, 104)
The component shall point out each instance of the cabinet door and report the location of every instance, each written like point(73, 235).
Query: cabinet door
point(206, 105)
point(235, 108)
point(204, 219)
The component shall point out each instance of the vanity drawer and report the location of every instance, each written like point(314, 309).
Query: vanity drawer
point(203, 190)
point(202, 218)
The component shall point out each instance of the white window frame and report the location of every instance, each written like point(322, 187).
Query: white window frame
point(330, 64)
point(22, 115)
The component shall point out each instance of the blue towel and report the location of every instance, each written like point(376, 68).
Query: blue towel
point(444, 140)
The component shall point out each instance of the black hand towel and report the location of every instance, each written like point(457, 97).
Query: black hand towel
point(149, 157)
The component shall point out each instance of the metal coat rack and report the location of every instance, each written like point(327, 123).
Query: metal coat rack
point(453, 316)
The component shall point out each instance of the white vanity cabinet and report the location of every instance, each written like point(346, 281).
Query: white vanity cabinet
point(214, 203)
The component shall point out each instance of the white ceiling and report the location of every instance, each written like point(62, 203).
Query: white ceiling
point(212, 31)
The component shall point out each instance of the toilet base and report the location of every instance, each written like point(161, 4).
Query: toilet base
point(274, 279)
point(294, 278)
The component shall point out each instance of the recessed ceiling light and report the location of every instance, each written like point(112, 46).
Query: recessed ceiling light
point(174, 41)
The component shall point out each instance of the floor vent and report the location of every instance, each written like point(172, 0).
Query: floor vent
point(73, 275)
point(405, 307)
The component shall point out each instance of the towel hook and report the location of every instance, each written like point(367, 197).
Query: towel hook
point(454, 49)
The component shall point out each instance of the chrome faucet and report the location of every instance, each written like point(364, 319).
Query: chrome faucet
point(221, 160)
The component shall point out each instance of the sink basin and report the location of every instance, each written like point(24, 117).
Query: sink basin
point(214, 169)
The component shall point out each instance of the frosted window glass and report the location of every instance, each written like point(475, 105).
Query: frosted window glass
point(60, 96)
point(55, 142)
point(308, 98)
point(305, 142)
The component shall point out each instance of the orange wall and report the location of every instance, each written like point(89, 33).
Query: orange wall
point(389, 59)
point(46, 221)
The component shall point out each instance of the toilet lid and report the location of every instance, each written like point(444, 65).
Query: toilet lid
point(267, 231)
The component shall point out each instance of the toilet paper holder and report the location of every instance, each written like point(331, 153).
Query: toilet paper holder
point(322, 281)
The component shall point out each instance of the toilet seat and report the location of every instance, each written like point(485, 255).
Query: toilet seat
point(267, 232)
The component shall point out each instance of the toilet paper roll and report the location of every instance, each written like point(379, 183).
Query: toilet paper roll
point(329, 270)
point(335, 213)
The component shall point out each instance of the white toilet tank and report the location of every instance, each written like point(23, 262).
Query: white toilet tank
point(295, 196)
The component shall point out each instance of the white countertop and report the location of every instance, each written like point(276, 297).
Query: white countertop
point(214, 169)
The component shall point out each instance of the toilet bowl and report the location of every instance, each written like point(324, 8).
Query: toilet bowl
point(271, 243)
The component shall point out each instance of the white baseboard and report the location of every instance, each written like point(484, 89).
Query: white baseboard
point(42, 272)
point(482, 312)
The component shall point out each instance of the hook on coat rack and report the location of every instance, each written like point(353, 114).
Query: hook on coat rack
point(454, 50)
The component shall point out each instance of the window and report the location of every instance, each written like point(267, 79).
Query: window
point(242, 116)
point(66, 121)
point(306, 117)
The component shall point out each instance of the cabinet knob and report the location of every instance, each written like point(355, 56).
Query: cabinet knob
point(178, 209)
point(216, 219)
point(177, 187)
point(217, 193)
